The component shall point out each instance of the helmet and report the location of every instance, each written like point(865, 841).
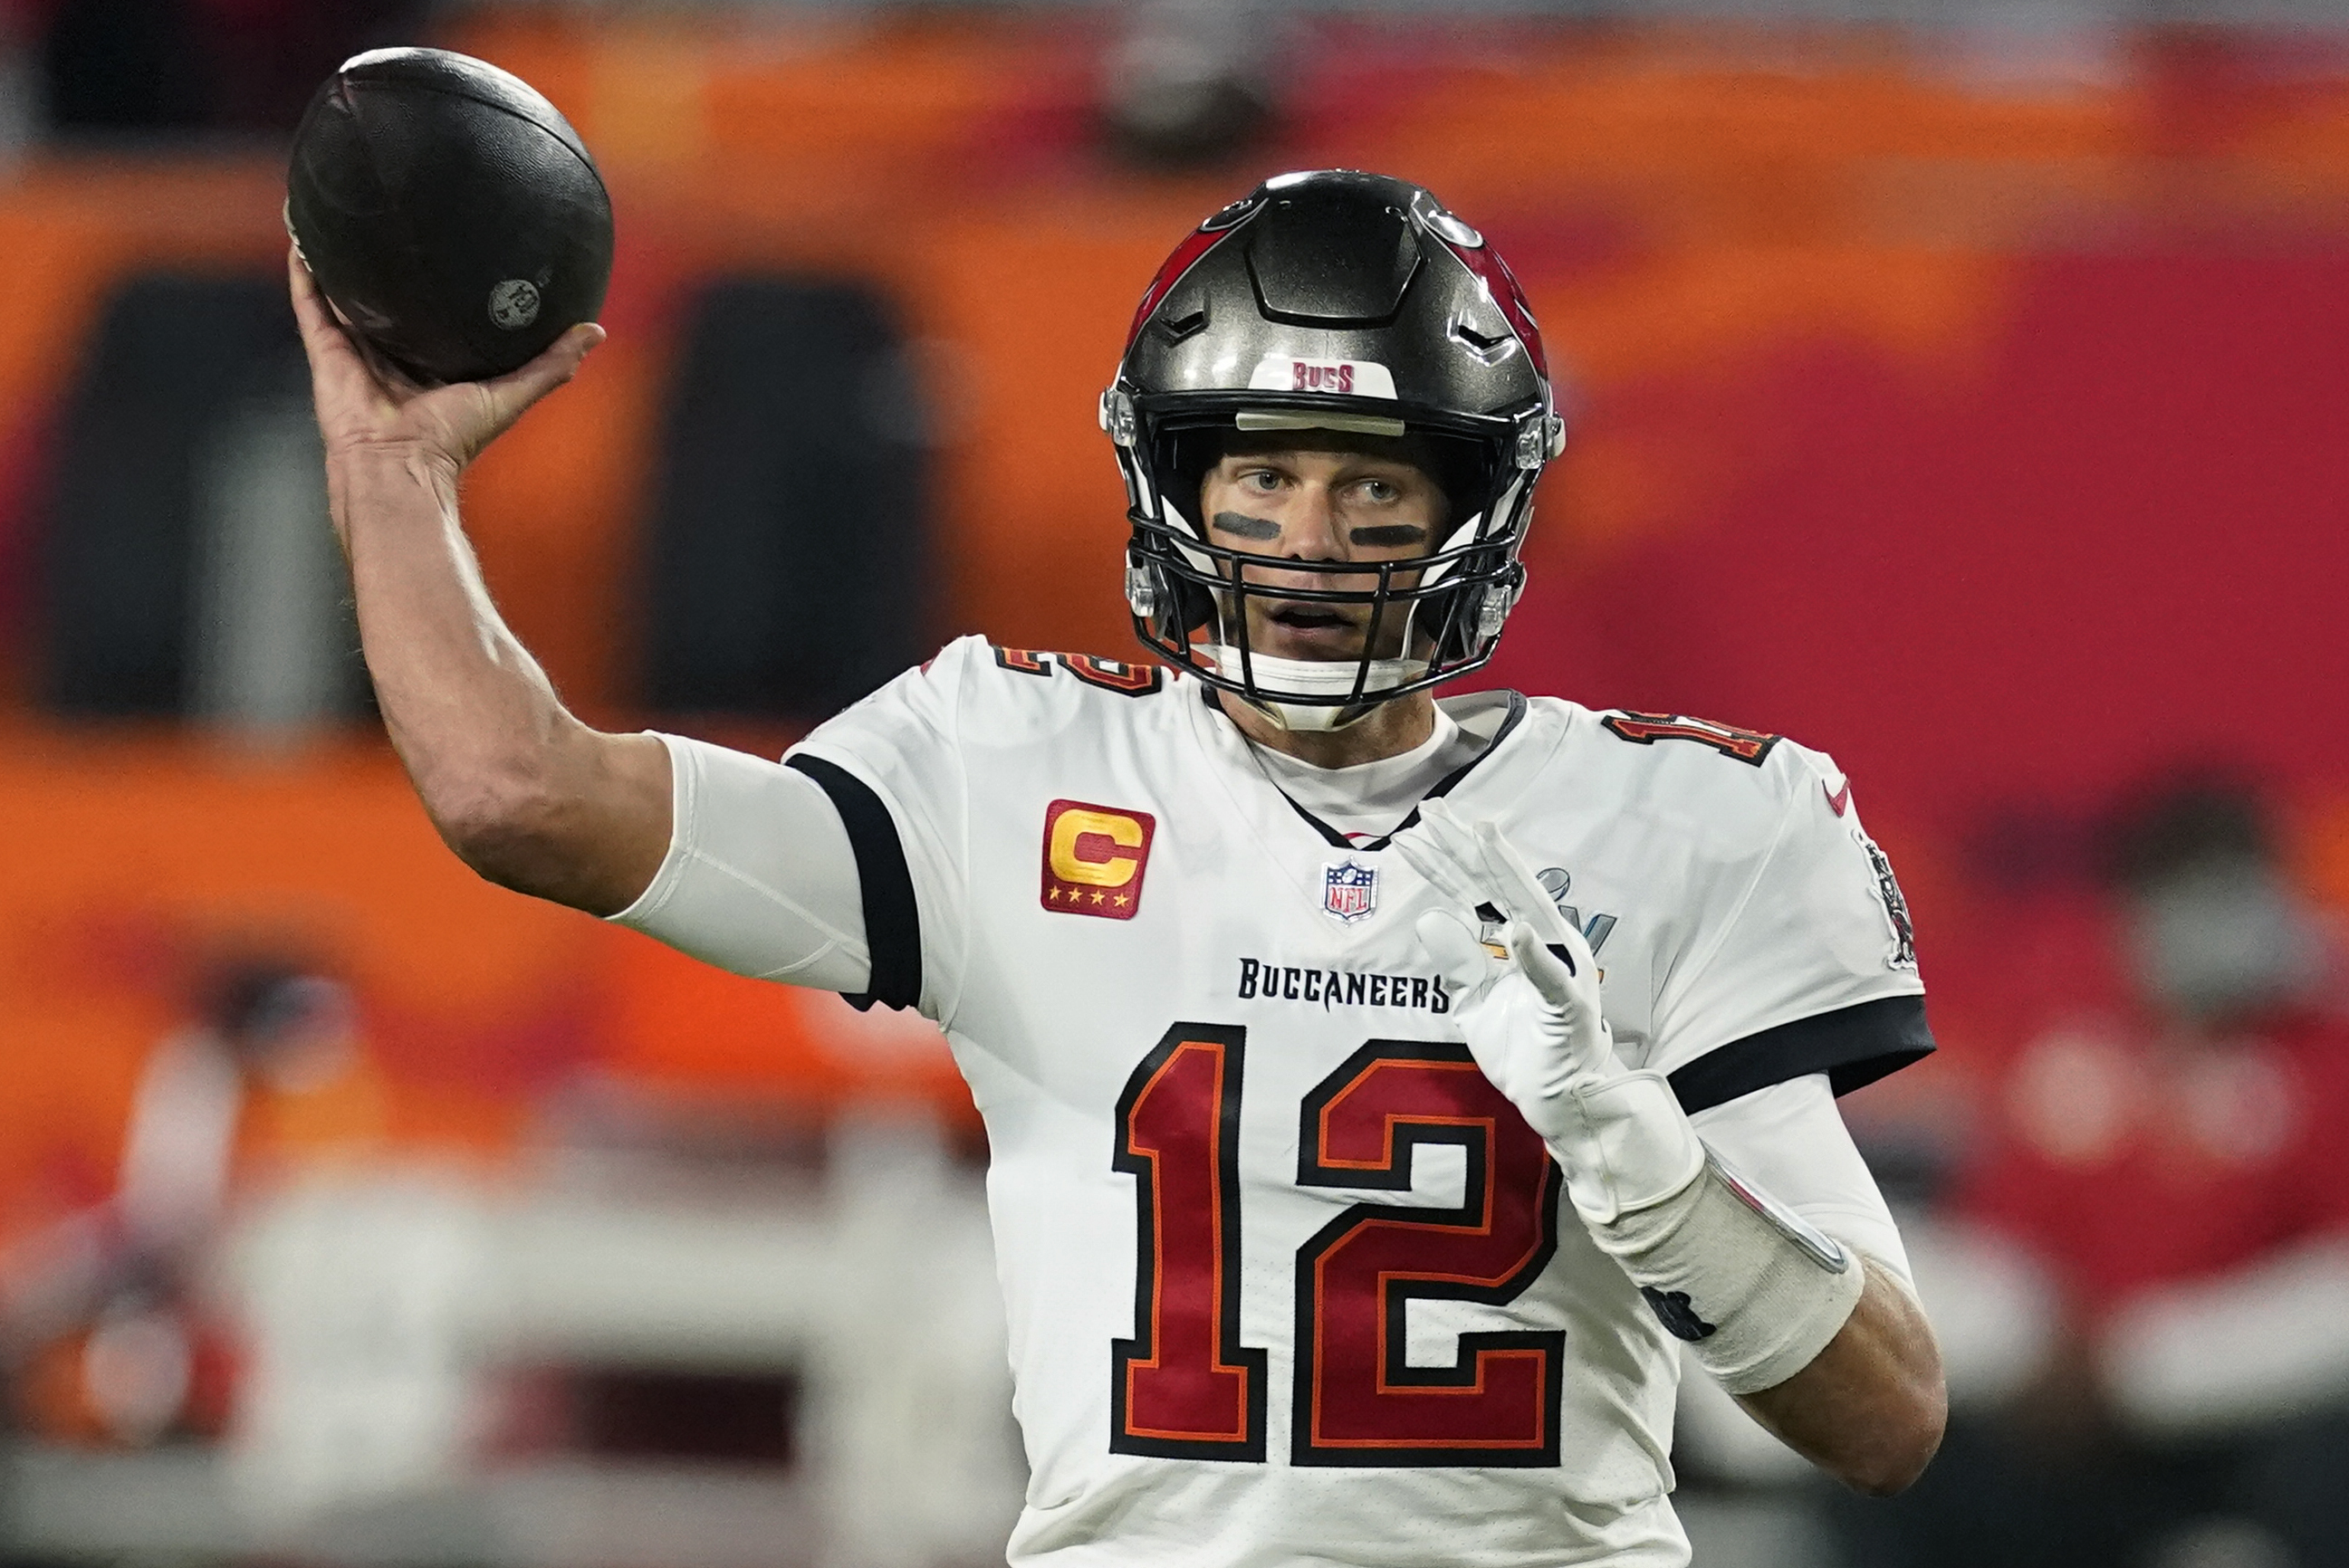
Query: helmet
point(1333, 301)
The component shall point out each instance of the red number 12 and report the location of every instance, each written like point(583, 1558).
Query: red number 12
point(1185, 1386)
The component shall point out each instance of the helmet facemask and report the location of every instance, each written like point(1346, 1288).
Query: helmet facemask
point(1426, 617)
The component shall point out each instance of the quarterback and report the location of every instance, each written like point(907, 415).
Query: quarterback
point(1379, 1090)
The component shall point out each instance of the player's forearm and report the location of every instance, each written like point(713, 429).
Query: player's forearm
point(515, 785)
point(1870, 1407)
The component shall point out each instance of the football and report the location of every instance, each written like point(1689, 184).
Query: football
point(449, 213)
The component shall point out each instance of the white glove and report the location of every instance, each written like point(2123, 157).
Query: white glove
point(1533, 1023)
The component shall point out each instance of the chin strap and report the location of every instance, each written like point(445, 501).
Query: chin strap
point(1277, 679)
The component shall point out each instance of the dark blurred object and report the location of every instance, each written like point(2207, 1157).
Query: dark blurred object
point(126, 64)
point(2269, 1499)
point(170, 354)
point(268, 1012)
point(789, 543)
point(2179, 817)
point(2214, 933)
point(735, 1417)
point(2180, 825)
point(1189, 85)
point(138, 65)
point(451, 214)
point(186, 562)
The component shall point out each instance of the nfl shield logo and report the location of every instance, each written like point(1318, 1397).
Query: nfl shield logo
point(1350, 891)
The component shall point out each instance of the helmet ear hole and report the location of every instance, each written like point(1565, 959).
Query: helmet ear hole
point(1495, 603)
point(1142, 589)
point(1168, 603)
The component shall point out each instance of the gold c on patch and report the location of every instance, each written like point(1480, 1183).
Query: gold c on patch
point(1094, 857)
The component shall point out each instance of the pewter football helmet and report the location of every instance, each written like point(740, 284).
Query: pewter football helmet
point(1338, 301)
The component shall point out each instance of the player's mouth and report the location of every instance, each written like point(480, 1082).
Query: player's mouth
point(1296, 631)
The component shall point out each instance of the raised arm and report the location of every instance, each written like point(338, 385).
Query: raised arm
point(524, 792)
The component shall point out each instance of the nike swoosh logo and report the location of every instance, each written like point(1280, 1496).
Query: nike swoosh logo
point(1836, 799)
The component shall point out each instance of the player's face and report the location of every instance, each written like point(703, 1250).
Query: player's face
point(1336, 502)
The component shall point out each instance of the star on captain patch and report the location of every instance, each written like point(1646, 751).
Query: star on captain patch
point(1350, 891)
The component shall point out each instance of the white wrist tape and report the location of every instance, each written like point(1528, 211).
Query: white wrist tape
point(1624, 1144)
point(1756, 1291)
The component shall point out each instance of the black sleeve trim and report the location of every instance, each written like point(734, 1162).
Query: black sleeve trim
point(1854, 1045)
point(892, 923)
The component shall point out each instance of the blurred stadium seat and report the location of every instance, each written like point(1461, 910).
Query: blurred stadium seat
point(788, 570)
point(193, 576)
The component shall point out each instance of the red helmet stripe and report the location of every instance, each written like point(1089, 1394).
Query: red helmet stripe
point(1502, 284)
point(1196, 243)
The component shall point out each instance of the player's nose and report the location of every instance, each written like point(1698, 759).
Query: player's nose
point(1309, 532)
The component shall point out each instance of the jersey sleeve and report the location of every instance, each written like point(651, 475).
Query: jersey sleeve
point(893, 768)
point(759, 878)
point(1806, 963)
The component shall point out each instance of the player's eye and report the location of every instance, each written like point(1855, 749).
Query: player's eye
point(1260, 479)
point(1385, 492)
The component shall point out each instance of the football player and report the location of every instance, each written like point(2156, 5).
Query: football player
point(1378, 1090)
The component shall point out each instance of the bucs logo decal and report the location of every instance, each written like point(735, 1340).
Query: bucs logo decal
point(1903, 954)
point(1094, 858)
point(1287, 373)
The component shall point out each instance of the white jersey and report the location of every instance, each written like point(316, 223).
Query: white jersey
point(1287, 1279)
